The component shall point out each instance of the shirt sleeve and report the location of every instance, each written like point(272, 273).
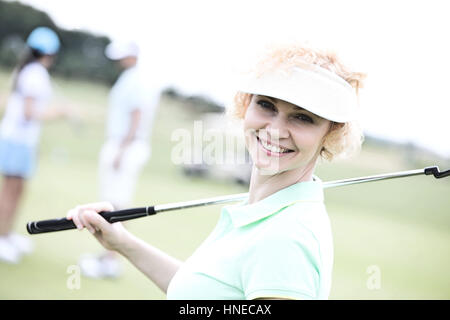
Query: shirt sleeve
point(283, 267)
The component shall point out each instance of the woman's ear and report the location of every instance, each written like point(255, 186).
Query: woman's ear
point(324, 152)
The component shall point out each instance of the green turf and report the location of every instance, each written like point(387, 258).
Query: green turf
point(402, 227)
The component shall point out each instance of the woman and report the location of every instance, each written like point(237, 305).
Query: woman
point(19, 133)
point(298, 105)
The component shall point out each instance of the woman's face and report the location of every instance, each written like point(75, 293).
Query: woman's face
point(281, 136)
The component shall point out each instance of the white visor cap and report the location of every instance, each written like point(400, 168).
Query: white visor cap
point(120, 50)
point(315, 89)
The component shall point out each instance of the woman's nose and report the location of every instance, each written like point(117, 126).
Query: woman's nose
point(277, 128)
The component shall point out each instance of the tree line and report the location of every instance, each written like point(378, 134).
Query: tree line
point(81, 54)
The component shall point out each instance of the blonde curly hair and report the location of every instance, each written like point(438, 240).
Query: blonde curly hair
point(342, 139)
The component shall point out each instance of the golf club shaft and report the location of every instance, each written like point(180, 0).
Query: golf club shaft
point(401, 174)
point(52, 225)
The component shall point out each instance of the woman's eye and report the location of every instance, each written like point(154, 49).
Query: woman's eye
point(266, 105)
point(305, 118)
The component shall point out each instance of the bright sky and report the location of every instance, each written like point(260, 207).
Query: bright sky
point(196, 45)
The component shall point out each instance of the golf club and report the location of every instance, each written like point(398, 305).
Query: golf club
point(52, 225)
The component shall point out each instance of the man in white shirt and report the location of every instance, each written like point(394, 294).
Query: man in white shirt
point(131, 111)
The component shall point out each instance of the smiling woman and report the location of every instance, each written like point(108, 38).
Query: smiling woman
point(344, 137)
point(296, 106)
point(281, 136)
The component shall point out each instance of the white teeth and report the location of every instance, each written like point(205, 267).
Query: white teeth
point(272, 148)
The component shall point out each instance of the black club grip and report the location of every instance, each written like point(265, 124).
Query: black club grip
point(436, 173)
point(61, 224)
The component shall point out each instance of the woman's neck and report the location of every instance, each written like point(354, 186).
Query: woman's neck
point(45, 61)
point(263, 185)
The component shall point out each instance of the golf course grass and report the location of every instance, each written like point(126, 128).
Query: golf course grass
point(392, 238)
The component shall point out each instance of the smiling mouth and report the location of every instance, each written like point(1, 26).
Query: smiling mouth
point(273, 149)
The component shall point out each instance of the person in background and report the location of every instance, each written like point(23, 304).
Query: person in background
point(27, 107)
point(131, 110)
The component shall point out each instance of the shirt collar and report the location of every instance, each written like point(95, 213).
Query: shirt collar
point(243, 214)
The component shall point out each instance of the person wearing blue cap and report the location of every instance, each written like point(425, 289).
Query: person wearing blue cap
point(19, 133)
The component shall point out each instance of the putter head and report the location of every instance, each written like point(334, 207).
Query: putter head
point(434, 170)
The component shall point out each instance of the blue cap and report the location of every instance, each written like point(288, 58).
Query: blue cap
point(44, 39)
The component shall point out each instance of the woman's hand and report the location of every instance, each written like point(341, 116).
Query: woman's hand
point(111, 236)
point(155, 264)
point(118, 160)
point(69, 111)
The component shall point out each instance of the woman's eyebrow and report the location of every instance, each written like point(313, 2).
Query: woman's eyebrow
point(274, 100)
point(302, 110)
point(293, 107)
point(297, 108)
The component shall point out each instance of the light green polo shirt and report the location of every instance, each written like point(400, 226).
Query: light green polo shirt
point(280, 247)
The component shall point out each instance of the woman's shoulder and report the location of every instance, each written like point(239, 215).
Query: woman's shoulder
point(300, 220)
point(33, 71)
point(304, 212)
point(34, 67)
